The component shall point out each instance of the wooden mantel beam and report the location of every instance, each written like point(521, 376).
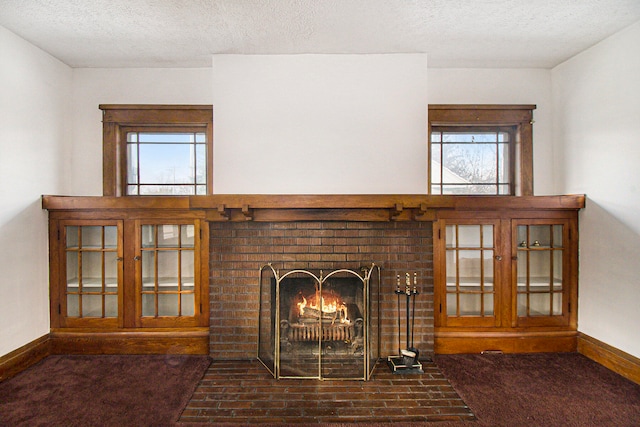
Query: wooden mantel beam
point(248, 203)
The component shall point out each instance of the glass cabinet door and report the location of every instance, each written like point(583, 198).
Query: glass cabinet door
point(167, 274)
point(470, 291)
point(540, 288)
point(93, 268)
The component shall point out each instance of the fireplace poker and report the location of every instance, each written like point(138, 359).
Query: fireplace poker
point(398, 292)
point(413, 309)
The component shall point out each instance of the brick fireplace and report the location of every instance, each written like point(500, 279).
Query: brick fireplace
point(239, 249)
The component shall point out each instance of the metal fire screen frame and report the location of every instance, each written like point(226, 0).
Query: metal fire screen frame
point(270, 340)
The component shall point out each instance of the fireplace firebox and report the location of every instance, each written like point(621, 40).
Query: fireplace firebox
point(319, 326)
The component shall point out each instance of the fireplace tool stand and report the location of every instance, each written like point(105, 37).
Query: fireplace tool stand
point(407, 360)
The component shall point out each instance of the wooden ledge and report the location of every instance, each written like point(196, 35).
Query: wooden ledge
point(263, 207)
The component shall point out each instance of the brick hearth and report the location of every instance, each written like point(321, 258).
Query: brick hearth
point(238, 249)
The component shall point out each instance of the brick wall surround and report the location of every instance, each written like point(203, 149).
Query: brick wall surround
point(239, 249)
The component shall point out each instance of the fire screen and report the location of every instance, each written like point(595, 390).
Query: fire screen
point(318, 326)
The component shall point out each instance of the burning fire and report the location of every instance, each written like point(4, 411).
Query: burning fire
point(330, 305)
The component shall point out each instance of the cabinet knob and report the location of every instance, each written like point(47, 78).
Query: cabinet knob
point(498, 258)
point(119, 258)
point(136, 258)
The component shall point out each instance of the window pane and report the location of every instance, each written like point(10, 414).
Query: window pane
point(201, 164)
point(132, 164)
point(178, 190)
point(471, 161)
point(166, 137)
point(166, 164)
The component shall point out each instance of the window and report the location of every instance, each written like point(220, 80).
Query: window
point(480, 149)
point(157, 150)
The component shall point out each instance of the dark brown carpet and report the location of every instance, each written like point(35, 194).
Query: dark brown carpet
point(501, 390)
point(101, 391)
point(559, 389)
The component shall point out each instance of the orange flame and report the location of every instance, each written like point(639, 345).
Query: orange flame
point(329, 304)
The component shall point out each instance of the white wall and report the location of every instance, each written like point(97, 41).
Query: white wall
point(34, 108)
point(504, 86)
point(596, 104)
point(320, 124)
point(95, 86)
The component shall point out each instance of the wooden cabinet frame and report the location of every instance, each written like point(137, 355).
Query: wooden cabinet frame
point(510, 332)
point(506, 333)
point(129, 332)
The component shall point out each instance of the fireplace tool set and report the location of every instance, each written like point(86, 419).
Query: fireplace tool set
point(407, 360)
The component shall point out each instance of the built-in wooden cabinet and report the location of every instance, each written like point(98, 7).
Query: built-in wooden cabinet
point(130, 274)
point(505, 281)
point(139, 275)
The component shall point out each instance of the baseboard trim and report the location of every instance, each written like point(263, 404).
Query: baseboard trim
point(21, 358)
point(617, 360)
point(455, 342)
point(194, 341)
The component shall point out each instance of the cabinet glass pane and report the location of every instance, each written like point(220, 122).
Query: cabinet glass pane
point(110, 269)
point(469, 266)
point(91, 237)
point(557, 269)
point(469, 236)
point(470, 304)
point(73, 309)
point(540, 268)
point(522, 304)
point(539, 305)
point(168, 267)
point(557, 236)
point(148, 269)
point(523, 270)
point(148, 305)
point(187, 268)
point(91, 305)
point(539, 265)
point(487, 236)
point(488, 303)
point(187, 234)
point(148, 236)
point(111, 306)
point(450, 236)
point(167, 305)
point(91, 269)
point(72, 236)
point(168, 236)
point(110, 236)
point(470, 271)
point(72, 268)
point(540, 236)
point(188, 305)
point(452, 304)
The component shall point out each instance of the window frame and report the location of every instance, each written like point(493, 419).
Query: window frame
point(483, 115)
point(118, 119)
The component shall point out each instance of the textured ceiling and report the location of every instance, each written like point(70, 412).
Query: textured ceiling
point(185, 33)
